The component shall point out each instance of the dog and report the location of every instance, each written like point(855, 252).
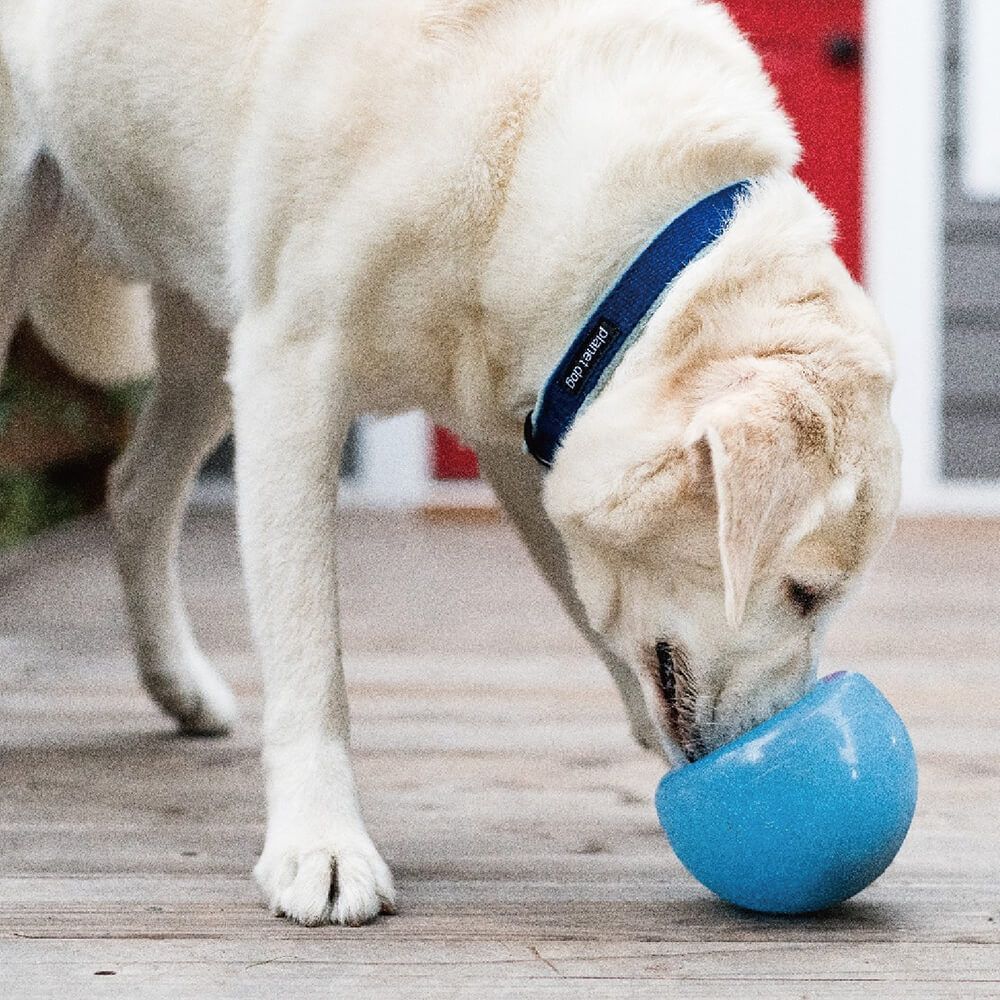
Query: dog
point(306, 210)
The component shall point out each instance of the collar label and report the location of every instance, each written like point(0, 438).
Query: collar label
point(602, 337)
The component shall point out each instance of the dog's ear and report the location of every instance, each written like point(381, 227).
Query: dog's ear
point(766, 445)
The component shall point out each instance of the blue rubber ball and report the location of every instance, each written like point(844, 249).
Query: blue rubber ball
point(802, 812)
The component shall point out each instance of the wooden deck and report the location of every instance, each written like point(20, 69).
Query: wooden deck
point(497, 778)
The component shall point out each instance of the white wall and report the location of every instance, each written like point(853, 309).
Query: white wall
point(904, 168)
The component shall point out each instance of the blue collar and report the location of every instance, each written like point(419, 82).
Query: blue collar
point(621, 317)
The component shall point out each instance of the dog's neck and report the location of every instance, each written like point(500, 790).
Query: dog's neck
point(569, 212)
point(620, 317)
point(534, 305)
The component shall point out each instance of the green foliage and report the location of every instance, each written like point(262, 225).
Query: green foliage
point(20, 391)
point(128, 397)
point(32, 501)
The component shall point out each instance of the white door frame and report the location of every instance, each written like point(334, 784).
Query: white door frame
point(904, 236)
point(393, 466)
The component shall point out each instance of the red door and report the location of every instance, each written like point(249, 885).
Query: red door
point(452, 460)
point(812, 49)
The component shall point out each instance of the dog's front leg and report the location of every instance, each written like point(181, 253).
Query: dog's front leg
point(517, 481)
point(318, 865)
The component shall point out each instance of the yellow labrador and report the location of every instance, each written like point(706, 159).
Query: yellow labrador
point(350, 205)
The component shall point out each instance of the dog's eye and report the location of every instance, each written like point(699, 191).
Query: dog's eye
point(665, 660)
point(806, 599)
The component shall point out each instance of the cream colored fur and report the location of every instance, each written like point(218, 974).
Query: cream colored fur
point(381, 204)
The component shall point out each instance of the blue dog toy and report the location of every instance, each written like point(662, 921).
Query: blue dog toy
point(802, 812)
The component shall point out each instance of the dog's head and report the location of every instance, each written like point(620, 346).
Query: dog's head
point(722, 496)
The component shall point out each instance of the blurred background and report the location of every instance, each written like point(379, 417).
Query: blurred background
point(895, 103)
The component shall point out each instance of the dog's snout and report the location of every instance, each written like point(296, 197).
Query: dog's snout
point(740, 707)
point(703, 706)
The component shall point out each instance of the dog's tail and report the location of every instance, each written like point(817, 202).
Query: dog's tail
point(92, 320)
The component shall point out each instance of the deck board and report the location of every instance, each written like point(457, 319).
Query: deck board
point(496, 775)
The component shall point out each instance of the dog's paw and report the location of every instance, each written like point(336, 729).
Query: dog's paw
point(194, 694)
point(210, 710)
point(323, 883)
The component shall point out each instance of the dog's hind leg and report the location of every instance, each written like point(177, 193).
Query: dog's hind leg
point(28, 209)
point(185, 416)
point(517, 482)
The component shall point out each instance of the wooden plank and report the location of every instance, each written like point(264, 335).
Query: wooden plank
point(458, 908)
point(178, 961)
point(384, 983)
point(526, 957)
